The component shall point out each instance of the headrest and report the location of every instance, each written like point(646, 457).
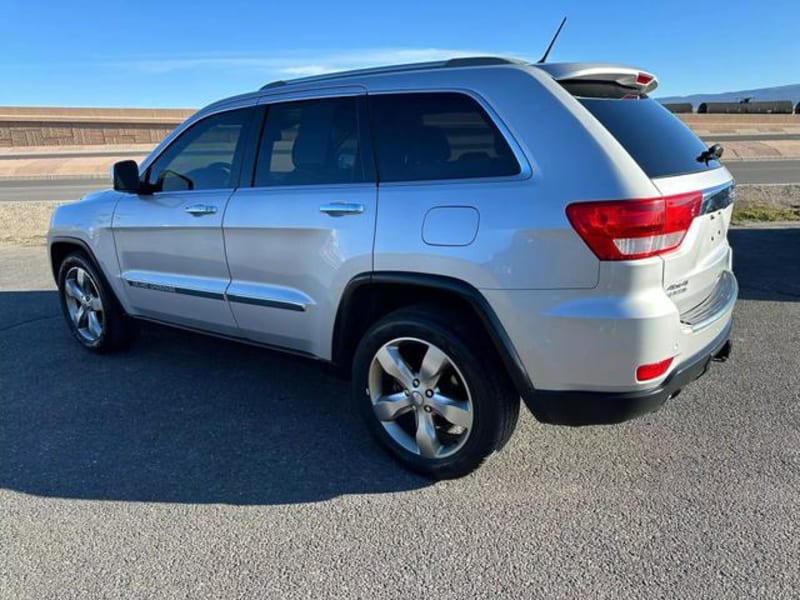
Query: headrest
point(428, 145)
point(310, 148)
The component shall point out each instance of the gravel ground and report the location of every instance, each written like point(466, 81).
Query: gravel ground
point(24, 223)
point(195, 468)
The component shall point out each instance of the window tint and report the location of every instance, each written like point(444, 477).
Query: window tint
point(310, 142)
point(203, 157)
point(657, 140)
point(437, 136)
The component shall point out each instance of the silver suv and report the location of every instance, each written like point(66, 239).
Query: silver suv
point(455, 235)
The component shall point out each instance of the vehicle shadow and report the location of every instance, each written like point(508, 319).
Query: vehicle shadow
point(766, 262)
point(179, 418)
point(189, 419)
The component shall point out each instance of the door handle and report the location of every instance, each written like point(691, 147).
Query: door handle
point(337, 209)
point(198, 210)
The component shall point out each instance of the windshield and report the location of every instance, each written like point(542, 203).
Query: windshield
point(659, 142)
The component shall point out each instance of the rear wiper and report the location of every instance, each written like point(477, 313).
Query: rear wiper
point(711, 153)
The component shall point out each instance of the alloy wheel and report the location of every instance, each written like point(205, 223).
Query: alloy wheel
point(84, 305)
point(420, 398)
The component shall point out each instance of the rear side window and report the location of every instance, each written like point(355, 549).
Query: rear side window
point(657, 140)
point(310, 142)
point(437, 136)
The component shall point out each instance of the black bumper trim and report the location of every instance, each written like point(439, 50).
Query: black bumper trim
point(578, 408)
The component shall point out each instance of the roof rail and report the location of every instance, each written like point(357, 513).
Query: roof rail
point(469, 61)
point(273, 84)
point(481, 61)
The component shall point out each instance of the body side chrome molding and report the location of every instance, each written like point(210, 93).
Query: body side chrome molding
point(265, 302)
point(176, 284)
point(272, 296)
point(241, 293)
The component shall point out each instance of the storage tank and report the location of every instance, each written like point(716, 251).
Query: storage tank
point(748, 108)
point(678, 107)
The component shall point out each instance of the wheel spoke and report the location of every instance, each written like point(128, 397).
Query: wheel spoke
point(432, 364)
point(94, 324)
point(79, 315)
point(95, 304)
point(73, 308)
point(72, 289)
point(394, 365)
point(455, 411)
point(388, 408)
point(427, 442)
point(80, 277)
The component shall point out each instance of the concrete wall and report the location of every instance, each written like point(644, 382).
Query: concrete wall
point(742, 124)
point(24, 127)
point(33, 127)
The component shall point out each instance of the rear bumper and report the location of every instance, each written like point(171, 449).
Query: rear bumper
point(599, 408)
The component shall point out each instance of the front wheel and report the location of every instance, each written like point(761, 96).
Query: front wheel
point(432, 392)
point(93, 314)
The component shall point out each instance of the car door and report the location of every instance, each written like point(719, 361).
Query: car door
point(169, 242)
point(304, 227)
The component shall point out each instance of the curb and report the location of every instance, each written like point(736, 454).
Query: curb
point(26, 178)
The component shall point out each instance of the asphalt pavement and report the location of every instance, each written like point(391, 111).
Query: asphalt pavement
point(52, 189)
point(757, 171)
point(191, 467)
point(765, 171)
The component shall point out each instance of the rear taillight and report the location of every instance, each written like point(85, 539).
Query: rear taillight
point(630, 229)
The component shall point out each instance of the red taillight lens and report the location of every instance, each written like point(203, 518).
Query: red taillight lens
point(643, 79)
point(630, 229)
point(645, 372)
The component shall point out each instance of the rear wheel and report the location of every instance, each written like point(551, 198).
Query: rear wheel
point(93, 314)
point(431, 393)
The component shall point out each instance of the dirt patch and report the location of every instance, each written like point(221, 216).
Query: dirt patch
point(766, 203)
point(25, 223)
point(778, 196)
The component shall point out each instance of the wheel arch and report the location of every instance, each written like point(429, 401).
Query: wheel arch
point(370, 296)
point(61, 247)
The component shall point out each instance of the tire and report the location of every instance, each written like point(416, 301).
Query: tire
point(94, 316)
point(403, 401)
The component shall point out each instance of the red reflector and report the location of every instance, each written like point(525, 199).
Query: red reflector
point(643, 79)
point(630, 229)
point(646, 372)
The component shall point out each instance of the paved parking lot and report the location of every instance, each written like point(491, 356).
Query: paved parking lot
point(192, 467)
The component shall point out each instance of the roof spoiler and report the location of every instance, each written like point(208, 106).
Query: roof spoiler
point(637, 80)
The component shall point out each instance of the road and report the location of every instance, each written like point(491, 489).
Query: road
point(193, 467)
point(61, 190)
point(762, 171)
point(765, 171)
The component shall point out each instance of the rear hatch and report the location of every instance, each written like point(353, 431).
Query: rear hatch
point(669, 153)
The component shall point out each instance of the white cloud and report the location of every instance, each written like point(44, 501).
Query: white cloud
point(301, 64)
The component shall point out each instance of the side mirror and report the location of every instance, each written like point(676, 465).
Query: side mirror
point(126, 176)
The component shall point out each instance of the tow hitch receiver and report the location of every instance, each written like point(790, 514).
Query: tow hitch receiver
point(723, 353)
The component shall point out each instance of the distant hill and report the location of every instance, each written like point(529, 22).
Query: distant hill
point(784, 92)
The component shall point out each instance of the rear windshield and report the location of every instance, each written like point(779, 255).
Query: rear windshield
point(657, 140)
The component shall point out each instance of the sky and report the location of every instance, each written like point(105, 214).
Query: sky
point(187, 54)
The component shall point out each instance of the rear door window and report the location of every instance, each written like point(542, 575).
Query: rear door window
point(658, 141)
point(426, 136)
point(311, 142)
